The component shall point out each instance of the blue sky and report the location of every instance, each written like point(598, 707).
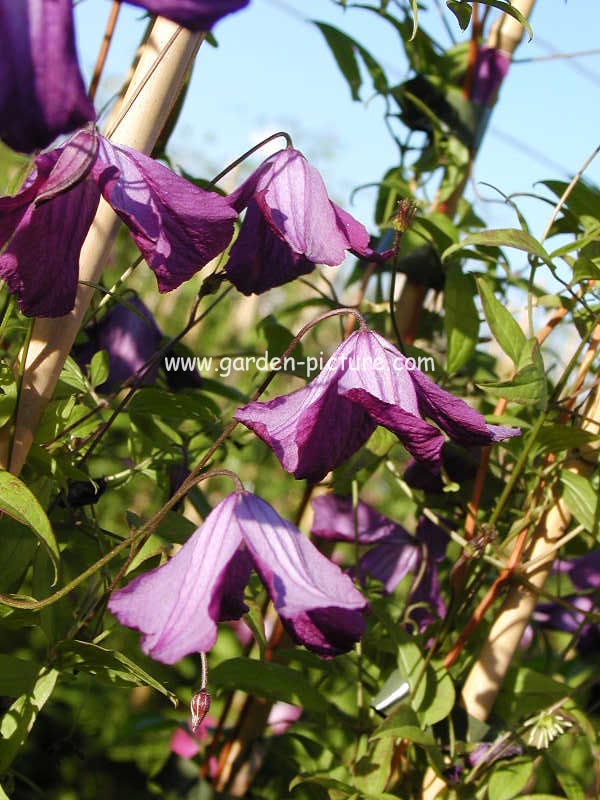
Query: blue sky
point(273, 70)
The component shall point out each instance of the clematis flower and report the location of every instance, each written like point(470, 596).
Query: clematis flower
point(177, 226)
point(365, 383)
point(129, 334)
point(42, 93)
point(290, 226)
point(490, 70)
point(197, 15)
point(177, 606)
point(395, 554)
point(41, 89)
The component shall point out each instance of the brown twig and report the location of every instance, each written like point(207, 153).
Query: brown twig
point(104, 47)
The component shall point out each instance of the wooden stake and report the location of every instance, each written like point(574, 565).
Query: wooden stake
point(164, 63)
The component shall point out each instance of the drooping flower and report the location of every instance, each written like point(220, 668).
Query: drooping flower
point(365, 383)
point(197, 15)
point(491, 66)
point(42, 93)
point(290, 226)
point(177, 226)
point(395, 553)
point(177, 606)
point(130, 335)
point(41, 89)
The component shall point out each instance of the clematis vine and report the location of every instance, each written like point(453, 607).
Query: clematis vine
point(178, 605)
point(42, 93)
point(395, 553)
point(177, 226)
point(365, 383)
point(290, 226)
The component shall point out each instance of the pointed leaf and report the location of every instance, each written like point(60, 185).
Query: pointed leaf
point(20, 717)
point(503, 237)
point(503, 325)
point(462, 12)
point(264, 679)
point(20, 503)
point(461, 320)
point(581, 499)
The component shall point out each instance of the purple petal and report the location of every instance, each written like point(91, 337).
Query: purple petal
point(585, 571)
point(454, 416)
point(433, 537)
point(130, 335)
point(422, 440)
point(259, 259)
point(391, 560)
point(41, 89)
point(312, 430)
point(295, 204)
point(318, 604)
point(177, 226)
point(334, 520)
point(41, 263)
point(175, 606)
point(197, 15)
point(357, 237)
point(490, 70)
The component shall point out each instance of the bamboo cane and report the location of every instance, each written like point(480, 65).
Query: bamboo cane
point(505, 34)
point(164, 63)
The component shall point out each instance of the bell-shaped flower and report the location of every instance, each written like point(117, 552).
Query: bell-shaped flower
point(491, 66)
point(129, 334)
point(365, 383)
point(197, 15)
point(177, 226)
point(177, 606)
point(42, 93)
point(290, 226)
point(395, 553)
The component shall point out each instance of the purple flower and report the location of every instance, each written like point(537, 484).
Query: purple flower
point(177, 606)
point(197, 15)
point(42, 93)
point(130, 336)
point(41, 89)
point(177, 226)
point(490, 70)
point(365, 383)
point(395, 555)
point(290, 226)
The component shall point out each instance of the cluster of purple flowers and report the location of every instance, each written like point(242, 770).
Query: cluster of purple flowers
point(290, 225)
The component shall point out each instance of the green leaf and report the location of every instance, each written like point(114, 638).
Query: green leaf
point(461, 320)
point(554, 438)
point(527, 386)
point(18, 721)
point(462, 12)
point(264, 679)
point(581, 499)
point(109, 665)
point(404, 724)
point(432, 691)
point(16, 675)
point(414, 7)
point(507, 780)
point(71, 375)
point(18, 551)
point(99, 368)
point(503, 325)
point(345, 51)
point(20, 503)
point(503, 237)
point(526, 692)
